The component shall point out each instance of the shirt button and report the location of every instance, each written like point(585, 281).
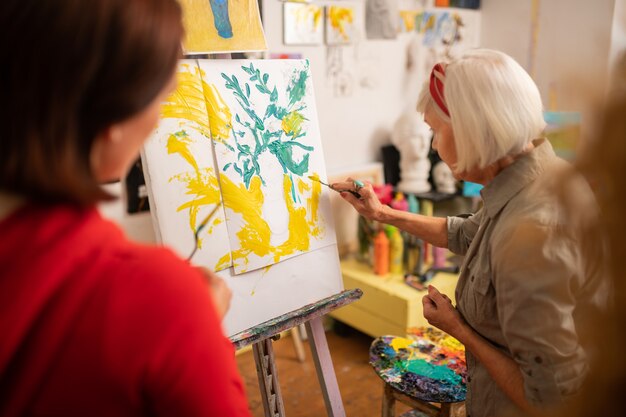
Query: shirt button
point(472, 278)
point(469, 378)
point(538, 359)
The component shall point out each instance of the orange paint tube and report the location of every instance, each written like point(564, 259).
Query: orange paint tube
point(381, 254)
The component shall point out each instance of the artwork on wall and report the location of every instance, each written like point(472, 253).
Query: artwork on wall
point(180, 174)
point(214, 26)
point(409, 20)
point(341, 27)
point(303, 24)
point(444, 34)
point(267, 143)
point(380, 19)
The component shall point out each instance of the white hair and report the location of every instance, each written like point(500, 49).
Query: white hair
point(495, 107)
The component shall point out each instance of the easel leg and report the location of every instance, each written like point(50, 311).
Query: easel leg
point(297, 344)
point(324, 366)
point(268, 379)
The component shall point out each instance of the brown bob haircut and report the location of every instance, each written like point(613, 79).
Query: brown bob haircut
point(71, 69)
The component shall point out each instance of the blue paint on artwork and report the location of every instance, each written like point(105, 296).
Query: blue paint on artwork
point(221, 19)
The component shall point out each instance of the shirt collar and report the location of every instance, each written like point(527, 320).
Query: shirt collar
point(512, 179)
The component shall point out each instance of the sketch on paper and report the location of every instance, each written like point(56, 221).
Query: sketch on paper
point(340, 71)
point(380, 19)
point(303, 24)
point(266, 137)
point(213, 26)
point(340, 25)
point(180, 174)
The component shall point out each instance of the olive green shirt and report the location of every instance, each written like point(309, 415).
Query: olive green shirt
point(524, 280)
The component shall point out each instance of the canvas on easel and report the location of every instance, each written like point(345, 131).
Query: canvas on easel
point(262, 124)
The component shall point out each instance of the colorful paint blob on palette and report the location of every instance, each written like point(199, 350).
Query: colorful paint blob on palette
point(427, 364)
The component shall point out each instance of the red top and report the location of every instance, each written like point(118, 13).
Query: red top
point(94, 325)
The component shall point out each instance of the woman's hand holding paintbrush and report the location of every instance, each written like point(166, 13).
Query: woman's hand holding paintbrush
point(354, 192)
point(368, 205)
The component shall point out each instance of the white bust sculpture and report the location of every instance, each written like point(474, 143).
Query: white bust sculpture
point(443, 178)
point(411, 136)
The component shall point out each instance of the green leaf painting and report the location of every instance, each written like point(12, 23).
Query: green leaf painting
point(276, 126)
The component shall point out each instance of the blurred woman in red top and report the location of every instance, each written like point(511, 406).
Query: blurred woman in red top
point(91, 323)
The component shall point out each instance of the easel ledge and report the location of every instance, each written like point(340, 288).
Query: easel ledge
point(260, 337)
point(294, 318)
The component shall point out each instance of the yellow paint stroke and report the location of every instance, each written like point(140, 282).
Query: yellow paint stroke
point(179, 143)
point(401, 343)
point(219, 113)
point(292, 123)
point(339, 18)
point(452, 343)
point(309, 13)
point(313, 202)
point(409, 18)
point(187, 102)
point(255, 234)
point(299, 229)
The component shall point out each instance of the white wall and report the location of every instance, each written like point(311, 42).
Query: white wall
point(571, 56)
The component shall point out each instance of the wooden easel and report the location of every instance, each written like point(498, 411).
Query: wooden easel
point(261, 338)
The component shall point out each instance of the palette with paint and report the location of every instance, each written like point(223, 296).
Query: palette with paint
point(427, 364)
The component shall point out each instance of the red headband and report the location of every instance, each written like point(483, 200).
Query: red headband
point(437, 77)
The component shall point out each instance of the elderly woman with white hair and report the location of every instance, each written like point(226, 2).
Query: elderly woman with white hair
point(524, 278)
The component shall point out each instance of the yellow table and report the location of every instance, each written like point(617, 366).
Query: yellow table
point(388, 306)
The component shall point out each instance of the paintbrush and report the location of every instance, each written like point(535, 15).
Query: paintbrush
point(354, 193)
point(202, 226)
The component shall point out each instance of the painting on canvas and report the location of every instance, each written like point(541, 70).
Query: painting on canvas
point(180, 175)
point(341, 25)
point(303, 24)
point(214, 26)
point(267, 143)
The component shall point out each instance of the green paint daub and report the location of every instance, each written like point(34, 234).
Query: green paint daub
point(438, 372)
point(298, 89)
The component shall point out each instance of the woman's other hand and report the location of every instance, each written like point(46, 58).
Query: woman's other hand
point(219, 290)
point(439, 312)
point(368, 205)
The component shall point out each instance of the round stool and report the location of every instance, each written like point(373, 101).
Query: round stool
point(425, 370)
